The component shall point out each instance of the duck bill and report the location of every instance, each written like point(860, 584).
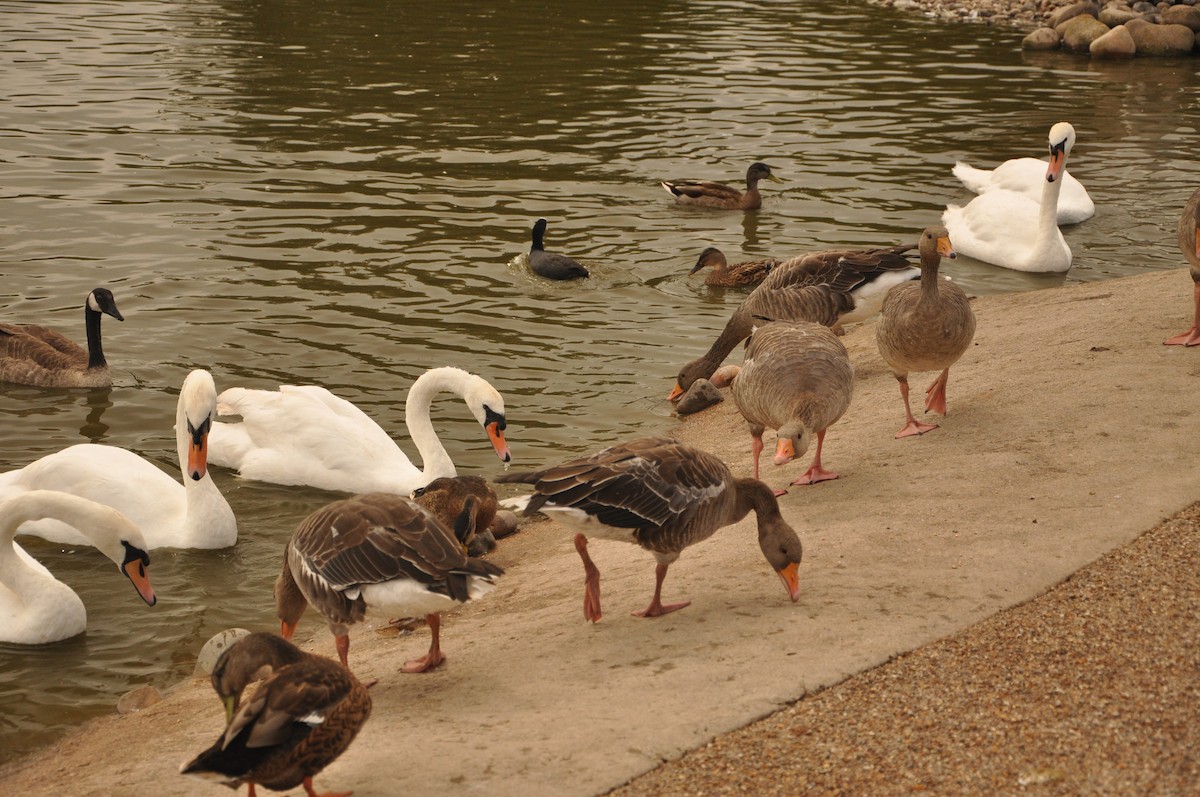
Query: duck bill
point(774, 178)
point(945, 248)
point(676, 393)
point(790, 576)
point(230, 702)
point(135, 569)
point(699, 265)
point(1058, 160)
point(785, 451)
point(496, 435)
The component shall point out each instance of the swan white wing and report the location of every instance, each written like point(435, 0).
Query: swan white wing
point(307, 435)
point(1002, 228)
point(52, 612)
point(1025, 176)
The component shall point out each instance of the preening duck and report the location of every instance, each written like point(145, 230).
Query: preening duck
point(39, 356)
point(307, 435)
point(723, 275)
point(193, 514)
point(706, 194)
point(663, 496)
point(1189, 244)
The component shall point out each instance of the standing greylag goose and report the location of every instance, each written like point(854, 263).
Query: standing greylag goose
point(826, 287)
point(548, 264)
point(1027, 176)
point(796, 378)
point(1008, 229)
point(303, 715)
point(193, 514)
point(1189, 244)
point(706, 194)
point(663, 496)
point(307, 435)
point(378, 552)
point(925, 327)
point(39, 356)
point(37, 608)
point(723, 275)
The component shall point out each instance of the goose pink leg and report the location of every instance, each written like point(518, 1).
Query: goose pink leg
point(434, 657)
point(1192, 336)
point(657, 608)
point(912, 425)
point(591, 582)
point(816, 473)
point(935, 394)
point(756, 447)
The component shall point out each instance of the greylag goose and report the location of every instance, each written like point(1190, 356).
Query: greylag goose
point(663, 496)
point(193, 514)
point(303, 715)
point(827, 287)
point(1189, 244)
point(1012, 230)
point(304, 434)
point(706, 194)
point(925, 327)
point(723, 275)
point(548, 264)
point(39, 356)
point(378, 552)
point(796, 378)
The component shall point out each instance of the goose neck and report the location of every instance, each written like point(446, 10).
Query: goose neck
point(91, 322)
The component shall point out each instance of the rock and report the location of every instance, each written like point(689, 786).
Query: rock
point(1161, 39)
point(1078, 33)
point(138, 699)
point(481, 543)
point(213, 649)
point(906, 5)
point(505, 523)
point(1182, 15)
point(1117, 43)
point(1117, 14)
point(1065, 13)
point(1042, 39)
point(701, 395)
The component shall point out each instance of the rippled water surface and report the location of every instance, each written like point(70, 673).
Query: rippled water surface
point(341, 193)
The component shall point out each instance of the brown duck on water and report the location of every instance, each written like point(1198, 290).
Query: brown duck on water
point(39, 356)
point(738, 275)
point(706, 194)
point(303, 715)
point(663, 496)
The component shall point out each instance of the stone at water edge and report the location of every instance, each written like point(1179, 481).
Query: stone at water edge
point(701, 395)
point(213, 649)
point(1117, 43)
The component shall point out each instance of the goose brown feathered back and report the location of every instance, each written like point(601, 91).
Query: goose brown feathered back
point(1189, 243)
point(382, 552)
point(41, 357)
point(303, 716)
point(663, 496)
point(925, 327)
point(707, 194)
point(723, 275)
point(822, 287)
point(796, 378)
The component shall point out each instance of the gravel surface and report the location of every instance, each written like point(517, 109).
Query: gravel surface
point(1025, 14)
point(1090, 689)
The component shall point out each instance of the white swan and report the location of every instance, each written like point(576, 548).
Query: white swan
point(173, 515)
point(35, 607)
point(307, 435)
point(1011, 230)
point(1026, 176)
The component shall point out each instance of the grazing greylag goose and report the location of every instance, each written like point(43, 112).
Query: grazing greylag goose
point(548, 264)
point(1008, 229)
point(448, 497)
point(827, 287)
point(724, 275)
point(39, 356)
point(663, 496)
point(193, 514)
point(303, 715)
point(706, 194)
point(1189, 244)
point(304, 434)
point(380, 553)
point(36, 607)
point(796, 378)
point(1027, 176)
point(925, 327)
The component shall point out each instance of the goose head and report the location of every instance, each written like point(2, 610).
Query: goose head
point(1062, 138)
point(935, 243)
point(487, 406)
point(793, 441)
point(193, 422)
point(101, 300)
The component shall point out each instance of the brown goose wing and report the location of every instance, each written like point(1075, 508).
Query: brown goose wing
point(42, 345)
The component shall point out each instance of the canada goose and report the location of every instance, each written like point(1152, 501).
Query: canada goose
point(39, 356)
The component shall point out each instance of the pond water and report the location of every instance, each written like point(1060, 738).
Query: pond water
point(342, 194)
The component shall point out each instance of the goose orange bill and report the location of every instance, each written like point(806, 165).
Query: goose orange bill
point(945, 248)
point(197, 456)
point(675, 393)
point(790, 576)
point(785, 451)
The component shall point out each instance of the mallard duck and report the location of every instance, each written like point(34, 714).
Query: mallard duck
point(829, 287)
point(1189, 244)
point(303, 715)
point(663, 496)
point(706, 194)
point(307, 435)
point(925, 327)
point(1011, 230)
point(724, 275)
point(378, 552)
point(549, 265)
point(796, 378)
point(1027, 176)
point(193, 514)
point(450, 496)
point(36, 607)
point(39, 356)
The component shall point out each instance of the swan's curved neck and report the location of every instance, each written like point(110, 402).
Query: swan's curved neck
point(1048, 213)
point(91, 322)
point(416, 415)
point(17, 574)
